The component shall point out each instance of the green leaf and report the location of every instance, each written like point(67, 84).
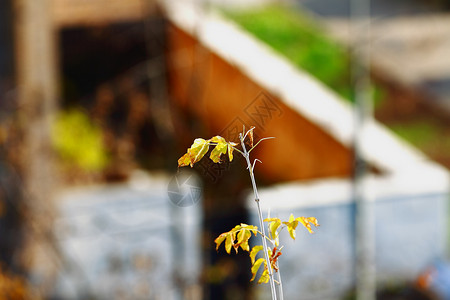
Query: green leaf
point(221, 148)
point(254, 252)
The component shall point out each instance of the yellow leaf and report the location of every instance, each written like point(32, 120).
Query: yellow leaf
point(306, 222)
point(221, 148)
point(254, 252)
point(198, 150)
point(185, 160)
point(228, 243)
point(242, 239)
point(230, 152)
point(313, 221)
point(273, 227)
point(255, 267)
point(291, 226)
point(264, 276)
point(219, 240)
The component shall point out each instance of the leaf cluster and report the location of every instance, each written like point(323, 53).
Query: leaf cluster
point(201, 146)
point(239, 237)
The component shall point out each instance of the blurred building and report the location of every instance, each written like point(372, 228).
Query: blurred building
point(154, 76)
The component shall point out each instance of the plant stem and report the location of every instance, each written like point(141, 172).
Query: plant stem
point(261, 222)
point(280, 285)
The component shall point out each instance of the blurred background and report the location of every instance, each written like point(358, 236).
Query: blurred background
point(99, 99)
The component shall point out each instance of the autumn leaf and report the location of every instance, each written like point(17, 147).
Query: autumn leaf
point(291, 226)
point(274, 224)
point(236, 237)
point(200, 147)
point(242, 238)
point(250, 135)
point(184, 161)
point(274, 258)
point(194, 153)
point(256, 266)
point(221, 148)
point(230, 150)
point(198, 150)
point(307, 222)
point(254, 252)
point(219, 240)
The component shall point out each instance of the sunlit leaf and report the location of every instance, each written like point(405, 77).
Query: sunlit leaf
point(220, 239)
point(254, 252)
point(264, 276)
point(230, 152)
point(255, 267)
point(184, 161)
point(198, 150)
point(221, 148)
point(291, 226)
point(245, 233)
point(237, 237)
point(313, 221)
point(306, 222)
point(242, 239)
point(228, 243)
point(194, 153)
point(274, 224)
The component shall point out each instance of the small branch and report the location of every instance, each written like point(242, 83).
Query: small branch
point(267, 138)
point(280, 285)
point(242, 153)
point(254, 162)
point(245, 135)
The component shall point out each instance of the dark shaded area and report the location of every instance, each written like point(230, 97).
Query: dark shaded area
point(105, 72)
point(94, 55)
point(6, 48)
point(11, 219)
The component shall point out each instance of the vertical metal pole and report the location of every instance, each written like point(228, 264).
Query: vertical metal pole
point(364, 223)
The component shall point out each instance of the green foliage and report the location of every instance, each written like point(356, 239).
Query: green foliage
point(424, 134)
point(79, 142)
point(302, 41)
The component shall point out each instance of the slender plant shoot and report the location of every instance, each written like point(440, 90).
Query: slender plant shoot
point(239, 236)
